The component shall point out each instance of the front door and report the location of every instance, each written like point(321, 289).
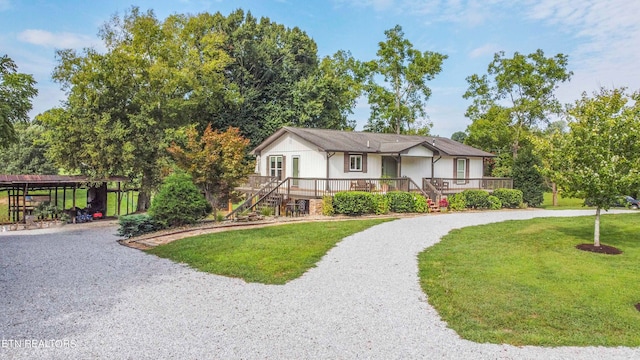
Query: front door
point(295, 170)
point(389, 167)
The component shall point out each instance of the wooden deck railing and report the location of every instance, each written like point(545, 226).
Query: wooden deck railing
point(451, 185)
point(319, 187)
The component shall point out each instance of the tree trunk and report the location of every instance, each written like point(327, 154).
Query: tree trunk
point(554, 192)
point(144, 200)
point(596, 230)
point(212, 200)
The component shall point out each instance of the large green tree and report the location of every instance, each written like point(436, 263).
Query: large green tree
point(399, 104)
point(516, 95)
point(16, 92)
point(154, 76)
point(27, 155)
point(602, 149)
point(281, 81)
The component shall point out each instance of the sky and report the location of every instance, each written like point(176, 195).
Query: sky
point(600, 37)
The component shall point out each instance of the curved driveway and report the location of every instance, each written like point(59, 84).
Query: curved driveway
point(102, 300)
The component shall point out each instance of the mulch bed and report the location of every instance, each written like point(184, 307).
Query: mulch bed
point(602, 249)
point(638, 306)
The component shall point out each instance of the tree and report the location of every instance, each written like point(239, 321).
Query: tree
point(519, 90)
point(459, 136)
point(546, 145)
point(153, 77)
point(216, 160)
point(527, 177)
point(396, 107)
point(27, 155)
point(602, 149)
point(16, 92)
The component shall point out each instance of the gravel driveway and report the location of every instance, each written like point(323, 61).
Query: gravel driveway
point(79, 294)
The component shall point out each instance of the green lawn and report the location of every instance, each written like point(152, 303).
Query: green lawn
point(563, 203)
point(524, 283)
point(270, 255)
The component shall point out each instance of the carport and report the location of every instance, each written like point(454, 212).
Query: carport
point(20, 190)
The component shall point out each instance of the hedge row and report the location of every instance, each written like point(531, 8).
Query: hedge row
point(361, 202)
point(479, 199)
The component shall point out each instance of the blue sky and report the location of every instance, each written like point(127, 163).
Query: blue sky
point(601, 37)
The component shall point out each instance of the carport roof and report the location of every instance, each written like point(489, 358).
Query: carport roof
point(50, 180)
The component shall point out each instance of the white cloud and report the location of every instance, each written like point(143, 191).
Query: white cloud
point(486, 49)
point(607, 35)
point(56, 40)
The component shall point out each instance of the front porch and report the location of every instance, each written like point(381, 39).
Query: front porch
point(268, 191)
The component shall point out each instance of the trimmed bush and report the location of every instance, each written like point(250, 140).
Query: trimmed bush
point(494, 203)
point(510, 198)
point(178, 202)
point(457, 202)
point(420, 204)
point(136, 225)
point(400, 202)
point(353, 203)
point(380, 204)
point(327, 206)
point(477, 199)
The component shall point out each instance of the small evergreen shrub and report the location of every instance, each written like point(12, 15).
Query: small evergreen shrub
point(477, 199)
point(510, 198)
point(457, 202)
point(527, 178)
point(136, 225)
point(178, 202)
point(400, 202)
point(266, 211)
point(420, 204)
point(353, 203)
point(494, 203)
point(327, 206)
point(380, 204)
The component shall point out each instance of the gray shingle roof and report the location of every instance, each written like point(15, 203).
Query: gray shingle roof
point(365, 142)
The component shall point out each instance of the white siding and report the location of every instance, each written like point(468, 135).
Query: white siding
point(443, 168)
point(475, 168)
point(312, 161)
point(336, 167)
point(419, 151)
point(416, 168)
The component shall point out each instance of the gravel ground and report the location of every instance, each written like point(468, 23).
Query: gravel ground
point(88, 297)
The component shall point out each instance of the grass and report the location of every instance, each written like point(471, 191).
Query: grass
point(269, 255)
point(563, 203)
point(524, 283)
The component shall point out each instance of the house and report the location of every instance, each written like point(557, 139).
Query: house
point(310, 163)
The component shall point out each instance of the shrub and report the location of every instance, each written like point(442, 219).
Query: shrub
point(527, 178)
point(457, 202)
point(420, 204)
point(178, 202)
point(266, 211)
point(353, 203)
point(327, 206)
point(380, 204)
point(136, 225)
point(400, 201)
point(477, 199)
point(494, 203)
point(510, 198)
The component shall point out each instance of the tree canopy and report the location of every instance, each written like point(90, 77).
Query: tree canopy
point(400, 104)
point(602, 150)
point(16, 92)
point(516, 95)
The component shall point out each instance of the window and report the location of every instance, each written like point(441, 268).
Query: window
point(275, 166)
point(355, 162)
point(461, 171)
